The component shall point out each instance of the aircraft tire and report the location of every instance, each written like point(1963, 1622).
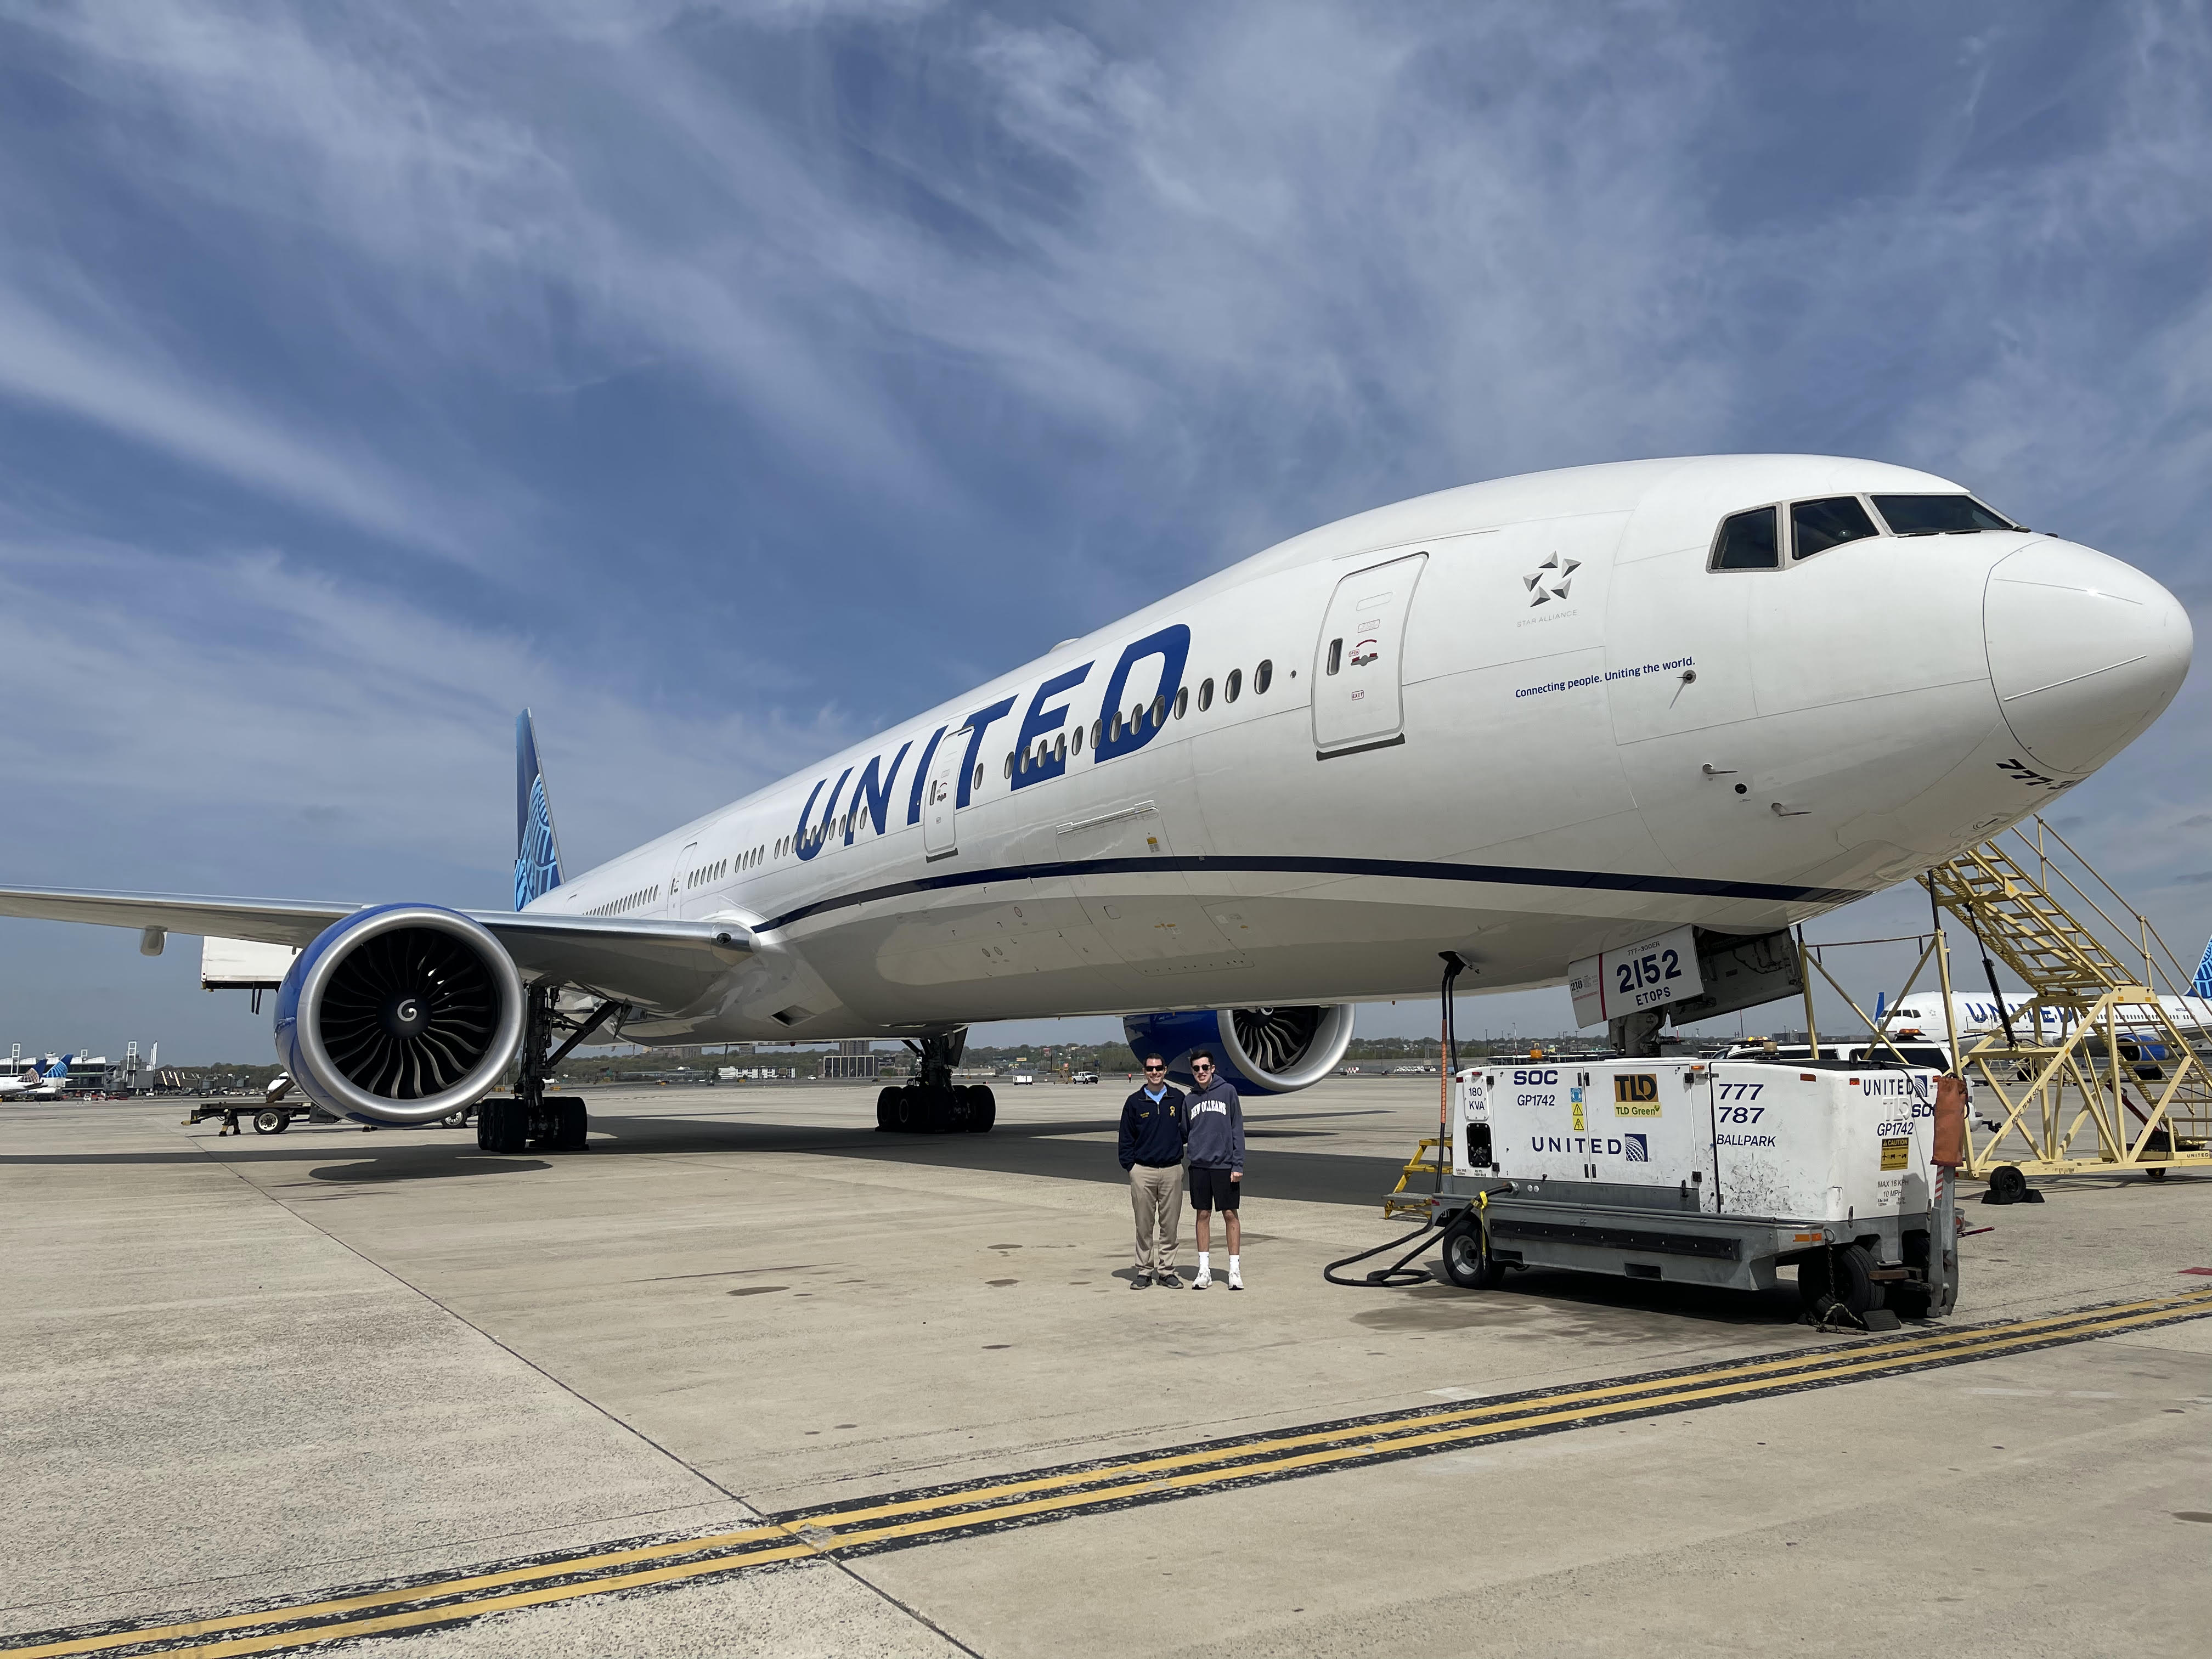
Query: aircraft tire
point(982, 1110)
point(948, 1110)
point(887, 1107)
point(501, 1126)
point(908, 1116)
point(271, 1123)
point(573, 1125)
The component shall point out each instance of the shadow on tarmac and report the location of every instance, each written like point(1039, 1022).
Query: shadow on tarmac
point(1030, 1149)
point(1040, 1149)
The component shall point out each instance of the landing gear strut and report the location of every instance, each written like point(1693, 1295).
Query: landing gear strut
point(1637, 1035)
point(933, 1103)
point(529, 1120)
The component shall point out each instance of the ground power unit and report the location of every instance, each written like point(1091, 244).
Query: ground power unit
point(1716, 1173)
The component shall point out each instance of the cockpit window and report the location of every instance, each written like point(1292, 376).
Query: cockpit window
point(1938, 516)
point(1748, 541)
point(1816, 526)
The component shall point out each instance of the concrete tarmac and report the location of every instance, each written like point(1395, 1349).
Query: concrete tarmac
point(265, 1368)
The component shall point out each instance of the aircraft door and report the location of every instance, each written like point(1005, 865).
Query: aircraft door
point(1358, 699)
point(683, 862)
point(940, 836)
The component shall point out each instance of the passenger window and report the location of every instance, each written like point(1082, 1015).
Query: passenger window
point(1748, 542)
point(1816, 526)
point(1097, 731)
point(1182, 701)
point(1232, 685)
point(1160, 711)
point(1078, 739)
point(1205, 696)
point(1008, 769)
point(1335, 656)
point(978, 784)
point(1263, 676)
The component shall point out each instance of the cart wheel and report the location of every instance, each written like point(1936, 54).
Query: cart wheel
point(983, 1108)
point(2006, 1184)
point(2156, 1172)
point(269, 1123)
point(1467, 1261)
point(1840, 1278)
point(454, 1120)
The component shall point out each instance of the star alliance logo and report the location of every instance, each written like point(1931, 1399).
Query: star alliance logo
point(1551, 579)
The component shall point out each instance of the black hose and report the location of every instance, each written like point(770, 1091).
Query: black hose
point(1397, 1272)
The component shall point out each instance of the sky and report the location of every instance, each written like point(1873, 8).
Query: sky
point(727, 381)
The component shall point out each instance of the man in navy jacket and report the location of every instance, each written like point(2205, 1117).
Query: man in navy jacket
point(1153, 1128)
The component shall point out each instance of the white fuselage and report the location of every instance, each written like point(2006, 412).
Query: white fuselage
point(1521, 720)
point(1978, 1016)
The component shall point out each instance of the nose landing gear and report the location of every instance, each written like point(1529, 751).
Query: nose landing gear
point(933, 1103)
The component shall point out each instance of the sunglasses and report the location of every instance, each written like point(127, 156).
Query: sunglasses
point(1201, 1066)
point(1156, 1068)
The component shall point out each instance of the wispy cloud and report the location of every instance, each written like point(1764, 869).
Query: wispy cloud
point(828, 357)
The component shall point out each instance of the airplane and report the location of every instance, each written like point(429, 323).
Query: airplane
point(1977, 1015)
point(1506, 725)
point(32, 1083)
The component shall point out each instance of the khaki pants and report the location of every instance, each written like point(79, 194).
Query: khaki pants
point(1157, 1197)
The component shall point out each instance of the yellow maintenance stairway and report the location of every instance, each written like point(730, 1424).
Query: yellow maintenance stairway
point(2099, 1069)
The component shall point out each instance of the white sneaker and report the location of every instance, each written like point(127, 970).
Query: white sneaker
point(1236, 1279)
point(1204, 1278)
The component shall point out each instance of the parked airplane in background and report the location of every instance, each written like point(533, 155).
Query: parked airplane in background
point(33, 1084)
point(1520, 721)
point(1977, 1015)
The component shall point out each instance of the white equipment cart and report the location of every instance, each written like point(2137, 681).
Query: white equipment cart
point(1702, 1172)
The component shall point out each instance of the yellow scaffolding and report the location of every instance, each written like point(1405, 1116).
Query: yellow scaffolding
point(2094, 1073)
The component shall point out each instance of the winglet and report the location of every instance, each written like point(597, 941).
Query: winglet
point(537, 848)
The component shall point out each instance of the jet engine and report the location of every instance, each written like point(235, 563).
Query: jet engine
point(399, 1014)
point(1261, 1051)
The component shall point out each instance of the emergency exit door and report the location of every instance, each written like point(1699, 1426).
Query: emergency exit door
point(1358, 700)
point(940, 795)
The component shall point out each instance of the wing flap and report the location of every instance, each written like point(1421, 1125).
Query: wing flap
point(663, 965)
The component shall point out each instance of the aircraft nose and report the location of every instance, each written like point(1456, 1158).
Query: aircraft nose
point(2084, 652)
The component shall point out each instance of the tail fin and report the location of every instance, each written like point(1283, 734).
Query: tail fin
point(537, 848)
point(2203, 987)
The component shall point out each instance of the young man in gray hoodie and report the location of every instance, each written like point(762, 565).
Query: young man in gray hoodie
point(1217, 1165)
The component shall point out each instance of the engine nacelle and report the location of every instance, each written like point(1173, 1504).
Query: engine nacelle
point(399, 1014)
point(1260, 1051)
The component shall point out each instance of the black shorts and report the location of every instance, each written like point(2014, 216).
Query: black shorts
point(1213, 1189)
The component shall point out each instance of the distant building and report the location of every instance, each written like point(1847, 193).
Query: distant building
point(855, 1061)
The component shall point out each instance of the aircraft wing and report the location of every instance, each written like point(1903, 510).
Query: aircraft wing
point(272, 921)
point(658, 965)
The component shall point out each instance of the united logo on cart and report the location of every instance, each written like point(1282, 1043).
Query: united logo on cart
point(1640, 1149)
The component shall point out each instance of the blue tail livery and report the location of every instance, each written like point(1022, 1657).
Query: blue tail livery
point(536, 849)
point(2203, 986)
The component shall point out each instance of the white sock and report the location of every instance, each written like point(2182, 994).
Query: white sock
point(1206, 1261)
point(1232, 1264)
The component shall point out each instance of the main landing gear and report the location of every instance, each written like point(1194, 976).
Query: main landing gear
point(530, 1121)
point(933, 1103)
